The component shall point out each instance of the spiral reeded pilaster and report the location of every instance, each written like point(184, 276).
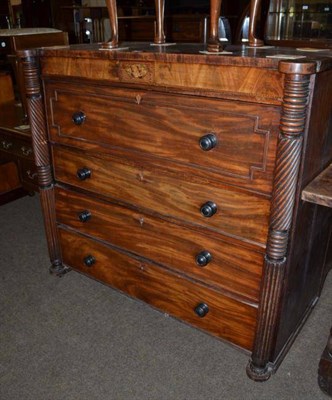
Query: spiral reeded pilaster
point(36, 112)
point(292, 125)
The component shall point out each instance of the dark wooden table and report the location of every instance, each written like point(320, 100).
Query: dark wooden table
point(319, 191)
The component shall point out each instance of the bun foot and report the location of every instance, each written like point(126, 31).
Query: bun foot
point(254, 42)
point(259, 374)
point(58, 269)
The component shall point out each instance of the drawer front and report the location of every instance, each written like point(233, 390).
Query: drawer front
point(227, 318)
point(18, 147)
point(171, 127)
point(171, 193)
point(231, 267)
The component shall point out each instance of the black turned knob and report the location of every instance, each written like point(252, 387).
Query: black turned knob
point(201, 309)
point(89, 260)
point(208, 142)
point(209, 208)
point(78, 117)
point(203, 258)
point(84, 216)
point(83, 173)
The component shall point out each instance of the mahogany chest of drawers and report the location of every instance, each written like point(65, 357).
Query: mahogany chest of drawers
point(175, 177)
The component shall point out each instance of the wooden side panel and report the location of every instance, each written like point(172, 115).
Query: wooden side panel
point(312, 224)
point(227, 318)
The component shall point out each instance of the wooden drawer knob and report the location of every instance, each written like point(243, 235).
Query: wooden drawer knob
point(203, 258)
point(201, 310)
point(78, 117)
point(208, 209)
point(84, 216)
point(208, 142)
point(89, 260)
point(83, 173)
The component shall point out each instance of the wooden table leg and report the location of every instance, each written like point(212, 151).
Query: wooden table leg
point(214, 44)
point(159, 37)
point(253, 18)
point(112, 12)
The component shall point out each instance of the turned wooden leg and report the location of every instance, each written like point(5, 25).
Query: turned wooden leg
point(159, 37)
point(112, 12)
point(325, 368)
point(214, 44)
point(254, 11)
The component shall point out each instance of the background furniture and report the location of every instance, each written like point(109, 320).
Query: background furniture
point(298, 23)
point(18, 175)
point(319, 192)
point(12, 40)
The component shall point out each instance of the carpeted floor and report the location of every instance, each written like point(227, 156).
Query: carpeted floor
point(76, 339)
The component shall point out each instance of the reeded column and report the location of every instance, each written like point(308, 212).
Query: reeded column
point(292, 124)
point(112, 12)
point(36, 113)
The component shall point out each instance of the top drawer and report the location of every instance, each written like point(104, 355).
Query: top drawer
point(169, 126)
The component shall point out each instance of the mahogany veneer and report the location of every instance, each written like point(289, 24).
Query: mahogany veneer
point(175, 177)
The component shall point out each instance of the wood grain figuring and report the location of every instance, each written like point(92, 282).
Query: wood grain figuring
point(171, 127)
point(319, 191)
point(227, 318)
point(259, 85)
point(239, 214)
point(233, 267)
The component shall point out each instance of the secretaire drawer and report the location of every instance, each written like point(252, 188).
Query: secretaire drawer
point(215, 261)
point(169, 192)
point(198, 305)
point(234, 139)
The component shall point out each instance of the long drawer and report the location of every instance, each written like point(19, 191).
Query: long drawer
point(172, 127)
point(226, 318)
point(171, 193)
point(229, 266)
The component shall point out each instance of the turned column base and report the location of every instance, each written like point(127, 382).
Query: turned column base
point(215, 46)
point(255, 42)
point(58, 269)
point(111, 44)
point(259, 374)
